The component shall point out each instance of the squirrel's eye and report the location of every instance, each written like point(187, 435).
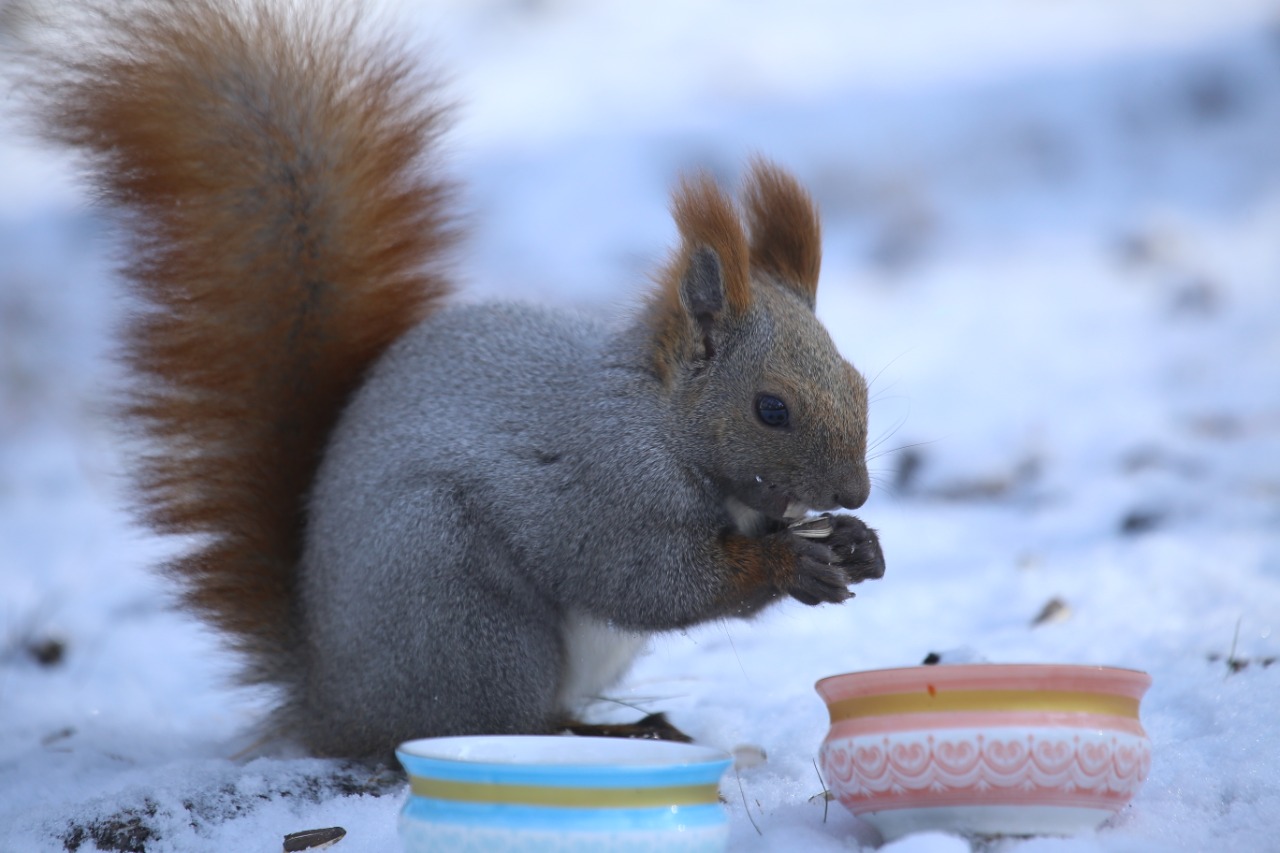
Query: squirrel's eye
point(772, 411)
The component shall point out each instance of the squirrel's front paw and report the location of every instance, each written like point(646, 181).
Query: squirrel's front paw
point(826, 565)
point(857, 548)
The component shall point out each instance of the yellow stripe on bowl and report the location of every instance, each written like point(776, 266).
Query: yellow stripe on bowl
point(1043, 701)
point(540, 795)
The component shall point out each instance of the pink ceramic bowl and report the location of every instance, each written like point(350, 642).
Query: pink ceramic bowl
point(987, 749)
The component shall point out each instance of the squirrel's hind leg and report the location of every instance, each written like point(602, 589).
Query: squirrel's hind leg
point(420, 625)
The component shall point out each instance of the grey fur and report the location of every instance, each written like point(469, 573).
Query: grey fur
point(505, 467)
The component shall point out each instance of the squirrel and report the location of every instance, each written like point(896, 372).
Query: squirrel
point(416, 516)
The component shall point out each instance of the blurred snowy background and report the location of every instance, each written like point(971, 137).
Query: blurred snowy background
point(1052, 236)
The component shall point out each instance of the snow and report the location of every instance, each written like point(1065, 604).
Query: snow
point(1051, 240)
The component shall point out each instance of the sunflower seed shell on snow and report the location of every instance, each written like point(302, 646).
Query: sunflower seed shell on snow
point(313, 839)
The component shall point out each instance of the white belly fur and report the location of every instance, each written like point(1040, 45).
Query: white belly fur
point(597, 655)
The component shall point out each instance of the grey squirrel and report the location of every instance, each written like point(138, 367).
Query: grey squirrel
point(421, 518)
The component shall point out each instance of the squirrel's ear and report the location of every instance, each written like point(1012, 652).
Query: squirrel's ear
point(786, 236)
point(702, 295)
point(710, 227)
point(706, 282)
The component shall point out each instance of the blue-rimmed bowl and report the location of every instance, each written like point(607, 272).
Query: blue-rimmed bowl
point(534, 792)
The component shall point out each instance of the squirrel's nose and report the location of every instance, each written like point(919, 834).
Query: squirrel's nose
point(853, 497)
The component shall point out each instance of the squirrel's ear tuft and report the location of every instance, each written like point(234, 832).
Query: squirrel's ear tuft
point(786, 236)
point(708, 220)
point(707, 280)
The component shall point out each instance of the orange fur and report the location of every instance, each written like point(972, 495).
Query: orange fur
point(786, 235)
point(758, 570)
point(278, 232)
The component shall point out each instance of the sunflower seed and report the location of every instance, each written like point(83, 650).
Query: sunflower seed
point(818, 527)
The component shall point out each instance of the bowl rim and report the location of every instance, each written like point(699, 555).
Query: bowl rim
point(1130, 681)
point(585, 751)
point(606, 761)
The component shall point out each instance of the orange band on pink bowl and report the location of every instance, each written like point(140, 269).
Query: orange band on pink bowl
point(943, 701)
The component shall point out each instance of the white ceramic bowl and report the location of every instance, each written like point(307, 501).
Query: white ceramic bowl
point(562, 793)
point(985, 749)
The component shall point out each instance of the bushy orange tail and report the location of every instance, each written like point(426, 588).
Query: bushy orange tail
point(282, 228)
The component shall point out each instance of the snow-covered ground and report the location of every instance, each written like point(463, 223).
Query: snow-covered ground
point(1052, 238)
